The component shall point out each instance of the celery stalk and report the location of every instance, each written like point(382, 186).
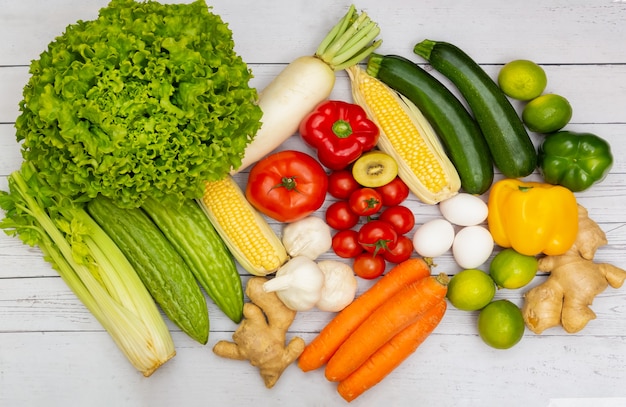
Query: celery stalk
point(91, 265)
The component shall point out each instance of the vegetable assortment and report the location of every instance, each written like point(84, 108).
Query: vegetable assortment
point(308, 81)
point(511, 148)
point(408, 137)
point(320, 350)
point(91, 264)
point(371, 224)
point(129, 190)
point(161, 268)
point(454, 125)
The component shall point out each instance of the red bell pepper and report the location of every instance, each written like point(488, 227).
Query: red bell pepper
point(340, 132)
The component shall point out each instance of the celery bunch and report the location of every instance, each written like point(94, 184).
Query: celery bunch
point(90, 264)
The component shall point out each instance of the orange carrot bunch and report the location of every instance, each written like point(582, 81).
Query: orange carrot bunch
point(380, 329)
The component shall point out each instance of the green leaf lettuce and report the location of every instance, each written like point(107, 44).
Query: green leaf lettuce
point(146, 100)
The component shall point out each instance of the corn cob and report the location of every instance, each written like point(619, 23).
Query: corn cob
point(248, 236)
point(407, 136)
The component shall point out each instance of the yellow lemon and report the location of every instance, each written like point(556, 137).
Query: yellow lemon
point(547, 113)
point(471, 290)
point(522, 79)
point(501, 324)
point(510, 269)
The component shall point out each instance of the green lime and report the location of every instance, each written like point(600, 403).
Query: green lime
point(547, 113)
point(471, 290)
point(501, 324)
point(522, 79)
point(510, 269)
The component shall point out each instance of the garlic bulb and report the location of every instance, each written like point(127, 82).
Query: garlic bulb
point(298, 283)
point(340, 286)
point(308, 237)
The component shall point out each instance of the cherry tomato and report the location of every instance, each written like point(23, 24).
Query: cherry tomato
point(365, 201)
point(394, 192)
point(341, 184)
point(402, 251)
point(287, 186)
point(368, 266)
point(346, 244)
point(339, 216)
point(377, 237)
point(400, 217)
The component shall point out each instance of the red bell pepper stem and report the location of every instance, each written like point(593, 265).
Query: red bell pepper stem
point(342, 128)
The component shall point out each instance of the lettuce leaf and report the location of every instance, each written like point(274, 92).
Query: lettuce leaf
point(147, 100)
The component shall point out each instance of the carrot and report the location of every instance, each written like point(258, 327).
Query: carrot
point(384, 323)
point(391, 354)
point(324, 345)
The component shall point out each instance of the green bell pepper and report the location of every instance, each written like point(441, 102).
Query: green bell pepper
point(574, 160)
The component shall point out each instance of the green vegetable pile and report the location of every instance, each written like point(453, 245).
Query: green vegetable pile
point(147, 100)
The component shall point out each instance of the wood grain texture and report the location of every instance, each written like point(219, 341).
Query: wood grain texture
point(53, 352)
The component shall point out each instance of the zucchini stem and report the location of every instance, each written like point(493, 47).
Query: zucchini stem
point(424, 49)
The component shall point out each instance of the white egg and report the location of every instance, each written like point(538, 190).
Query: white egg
point(433, 238)
point(464, 209)
point(472, 246)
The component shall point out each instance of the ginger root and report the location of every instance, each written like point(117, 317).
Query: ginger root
point(260, 338)
point(575, 280)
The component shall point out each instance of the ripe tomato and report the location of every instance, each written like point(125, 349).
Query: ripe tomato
point(377, 236)
point(402, 251)
point(400, 217)
point(394, 192)
point(346, 244)
point(339, 216)
point(287, 186)
point(368, 266)
point(341, 184)
point(365, 201)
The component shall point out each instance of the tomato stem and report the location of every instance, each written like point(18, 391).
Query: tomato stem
point(380, 244)
point(287, 182)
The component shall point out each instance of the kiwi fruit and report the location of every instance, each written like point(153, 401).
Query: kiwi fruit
point(374, 169)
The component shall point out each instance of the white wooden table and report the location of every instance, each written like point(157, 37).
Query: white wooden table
point(54, 353)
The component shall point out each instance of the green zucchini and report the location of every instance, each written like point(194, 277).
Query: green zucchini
point(458, 131)
point(162, 270)
point(511, 148)
point(193, 236)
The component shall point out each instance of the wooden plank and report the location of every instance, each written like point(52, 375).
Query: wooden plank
point(47, 304)
point(279, 31)
point(445, 371)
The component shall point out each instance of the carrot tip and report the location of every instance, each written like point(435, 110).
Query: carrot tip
point(443, 279)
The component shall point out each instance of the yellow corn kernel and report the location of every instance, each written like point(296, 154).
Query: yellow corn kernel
point(248, 236)
point(407, 136)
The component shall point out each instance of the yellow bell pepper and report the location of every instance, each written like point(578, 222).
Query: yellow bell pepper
point(532, 217)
